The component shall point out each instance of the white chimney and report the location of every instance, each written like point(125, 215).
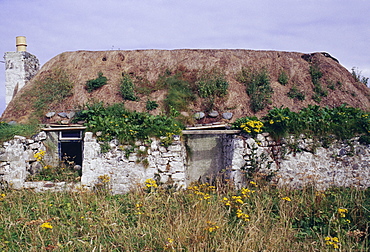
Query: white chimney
point(20, 67)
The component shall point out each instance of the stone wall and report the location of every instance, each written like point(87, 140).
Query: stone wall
point(292, 162)
point(17, 159)
point(165, 163)
point(299, 162)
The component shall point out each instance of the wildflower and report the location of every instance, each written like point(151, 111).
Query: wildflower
point(246, 192)
point(332, 241)
point(241, 215)
point(286, 199)
point(169, 244)
point(104, 178)
point(253, 183)
point(39, 155)
point(238, 199)
point(46, 225)
point(226, 201)
point(212, 227)
point(342, 212)
point(206, 196)
point(151, 183)
point(2, 196)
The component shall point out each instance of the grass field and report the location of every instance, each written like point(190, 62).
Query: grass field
point(203, 217)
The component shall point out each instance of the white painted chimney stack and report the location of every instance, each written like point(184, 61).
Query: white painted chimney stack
point(20, 67)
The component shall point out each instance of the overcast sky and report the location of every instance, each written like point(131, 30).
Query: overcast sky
point(339, 27)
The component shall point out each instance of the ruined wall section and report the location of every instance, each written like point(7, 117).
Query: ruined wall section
point(17, 159)
point(167, 164)
point(300, 162)
point(292, 162)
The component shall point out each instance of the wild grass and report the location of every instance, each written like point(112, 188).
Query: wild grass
point(201, 218)
point(8, 131)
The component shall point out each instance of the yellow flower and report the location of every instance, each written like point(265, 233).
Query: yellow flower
point(332, 241)
point(46, 225)
point(286, 198)
point(104, 178)
point(237, 199)
point(206, 196)
point(151, 183)
point(226, 201)
point(241, 215)
point(342, 212)
point(212, 227)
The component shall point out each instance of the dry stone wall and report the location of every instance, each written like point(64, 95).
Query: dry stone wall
point(292, 162)
point(155, 161)
point(299, 162)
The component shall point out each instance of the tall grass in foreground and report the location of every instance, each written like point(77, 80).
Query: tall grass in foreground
point(201, 218)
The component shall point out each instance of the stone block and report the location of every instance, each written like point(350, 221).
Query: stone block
point(162, 149)
point(175, 148)
point(3, 157)
point(227, 115)
point(34, 146)
point(162, 168)
point(163, 178)
point(162, 161)
point(199, 115)
point(179, 176)
point(40, 136)
point(177, 167)
point(213, 114)
point(168, 154)
point(154, 146)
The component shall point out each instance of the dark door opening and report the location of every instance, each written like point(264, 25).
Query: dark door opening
point(71, 152)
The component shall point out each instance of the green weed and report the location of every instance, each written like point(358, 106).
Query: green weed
point(115, 121)
point(283, 78)
point(7, 131)
point(295, 93)
point(97, 83)
point(258, 87)
point(127, 88)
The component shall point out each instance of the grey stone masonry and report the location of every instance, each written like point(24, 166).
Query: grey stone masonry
point(291, 162)
point(125, 172)
point(340, 165)
point(20, 67)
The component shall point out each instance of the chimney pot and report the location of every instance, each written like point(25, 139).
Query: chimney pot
point(21, 44)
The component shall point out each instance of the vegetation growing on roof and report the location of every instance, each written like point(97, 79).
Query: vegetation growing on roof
point(180, 92)
point(257, 87)
point(341, 122)
point(8, 131)
point(97, 83)
point(316, 75)
point(115, 121)
point(283, 78)
point(357, 75)
point(127, 88)
point(43, 96)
